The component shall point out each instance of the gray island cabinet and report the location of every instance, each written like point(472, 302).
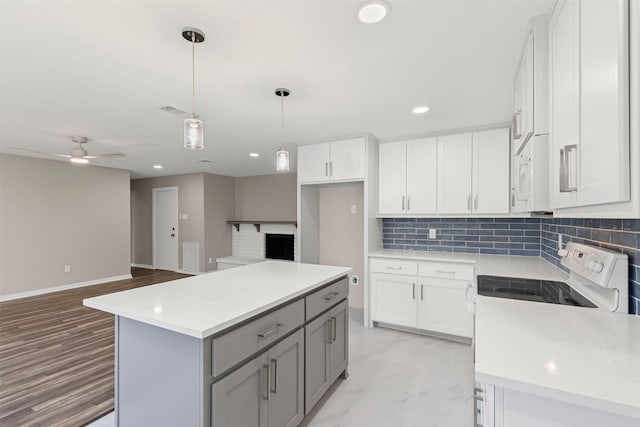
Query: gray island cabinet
point(256, 346)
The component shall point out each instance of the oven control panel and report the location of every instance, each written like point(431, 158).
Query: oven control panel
point(595, 264)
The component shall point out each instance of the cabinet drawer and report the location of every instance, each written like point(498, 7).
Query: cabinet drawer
point(325, 298)
point(446, 270)
point(235, 346)
point(393, 266)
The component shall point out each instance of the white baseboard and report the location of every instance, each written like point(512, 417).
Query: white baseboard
point(147, 266)
point(195, 273)
point(63, 287)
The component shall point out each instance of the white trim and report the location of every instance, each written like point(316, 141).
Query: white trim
point(148, 266)
point(154, 191)
point(63, 287)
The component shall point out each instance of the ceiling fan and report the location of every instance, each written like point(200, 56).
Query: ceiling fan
point(78, 153)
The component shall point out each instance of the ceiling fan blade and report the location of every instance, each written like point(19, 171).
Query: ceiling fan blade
point(40, 152)
point(100, 156)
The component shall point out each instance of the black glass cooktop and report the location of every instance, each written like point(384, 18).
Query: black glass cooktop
point(531, 290)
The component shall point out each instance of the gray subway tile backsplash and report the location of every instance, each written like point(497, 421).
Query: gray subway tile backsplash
point(520, 236)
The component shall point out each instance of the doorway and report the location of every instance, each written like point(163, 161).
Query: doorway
point(165, 228)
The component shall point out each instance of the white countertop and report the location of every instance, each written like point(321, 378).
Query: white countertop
point(202, 305)
point(580, 355)
point(492, 265)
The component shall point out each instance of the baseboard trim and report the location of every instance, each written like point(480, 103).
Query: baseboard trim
point(63, 287)
point(195, 273)
point(147, 266)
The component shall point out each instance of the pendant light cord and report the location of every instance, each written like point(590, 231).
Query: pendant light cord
point(193, 73)
point(282, 111)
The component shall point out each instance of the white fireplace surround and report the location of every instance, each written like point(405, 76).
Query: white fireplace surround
point(247, 242)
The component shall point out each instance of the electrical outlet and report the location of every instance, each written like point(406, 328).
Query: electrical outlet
point(354, 209)
point(67, 268)
point(432, 233)
point(210, 260)
point(355, 280)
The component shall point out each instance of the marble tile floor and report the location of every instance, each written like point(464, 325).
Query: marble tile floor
point(396, 379)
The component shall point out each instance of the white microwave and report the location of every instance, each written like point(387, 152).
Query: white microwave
point(530, 189)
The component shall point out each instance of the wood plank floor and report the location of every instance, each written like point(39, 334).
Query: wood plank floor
point(57, 356)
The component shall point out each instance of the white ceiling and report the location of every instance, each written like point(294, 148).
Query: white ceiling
point(101, 69)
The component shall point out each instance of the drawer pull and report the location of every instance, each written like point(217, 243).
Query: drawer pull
point(270, 331)
point(331, 296)
point(445, 272)
point(390, 267)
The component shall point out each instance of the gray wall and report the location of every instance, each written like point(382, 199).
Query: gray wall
point(208, 201)
point(190, 202)
point(342, 233)
point(219, 199)
point(52, 214)
point(266, 197)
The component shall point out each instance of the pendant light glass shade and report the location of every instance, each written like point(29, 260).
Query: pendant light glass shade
point(282, 160)
point(193, 134)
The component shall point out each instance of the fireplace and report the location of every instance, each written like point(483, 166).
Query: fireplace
point(278, 246)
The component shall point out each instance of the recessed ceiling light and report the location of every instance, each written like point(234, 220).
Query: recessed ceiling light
point(373, 11)
point(254, 155)
point(157, 166)
point(420, 109)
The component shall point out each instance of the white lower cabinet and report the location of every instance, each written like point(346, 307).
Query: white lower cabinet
point(503, 407)
point(423, 295)
point(442, 307)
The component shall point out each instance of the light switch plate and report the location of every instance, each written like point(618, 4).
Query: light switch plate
point(354, 209)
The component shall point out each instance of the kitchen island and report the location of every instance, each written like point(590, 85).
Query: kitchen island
point(252, 346)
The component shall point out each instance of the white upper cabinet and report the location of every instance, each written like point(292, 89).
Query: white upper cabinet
point(455, 153)
point(422, 175)
point(332, 161)
point(491, 171)
point(407, 177)
point(589, 103)
point(392, 175)
point(473, 173)
point(523, 98)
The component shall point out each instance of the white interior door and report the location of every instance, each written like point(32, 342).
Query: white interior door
point(165, 232)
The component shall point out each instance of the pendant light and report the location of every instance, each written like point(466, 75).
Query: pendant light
point(282, 155)
point(193, 126)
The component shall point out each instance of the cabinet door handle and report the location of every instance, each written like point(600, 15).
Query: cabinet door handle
point(326, 168)
point(331, 296)
point(274, 363)
point(329, 328)
point(265, 383)
point(403, 203)
point(565, 169)
point(513, 196)
point(516, 124)
point(414, 291)
point(475, 201)
point(330, 168)
point(469, 202)
point(408, 202)
point(422, 292)
point(270, 331)
point(334, 321)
